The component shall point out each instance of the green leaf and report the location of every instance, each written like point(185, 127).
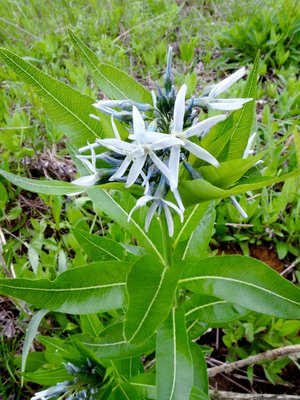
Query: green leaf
point(124, 391)
point(174, 366)
point(118, 209)
point(213, 310)
point(200, 190)
point(229, 172)
point(144, 384)
point(192, 216)
point(115, 83)
point(246, 282)
point(99, 247)
point(200, 378)
point(68, 108)
point(244, 118)
point(48, 377)
point(30, 335)
point(111, 344)
point(61, 349)
point(91, 324)
point(198, 394)
point(198, 243)
point(151, 289)
point(43, 186)
point(82, 290)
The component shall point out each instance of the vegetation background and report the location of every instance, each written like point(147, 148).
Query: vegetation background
point(210, 38)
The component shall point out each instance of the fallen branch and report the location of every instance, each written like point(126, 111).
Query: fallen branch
point(267, 355)
point(216, 395)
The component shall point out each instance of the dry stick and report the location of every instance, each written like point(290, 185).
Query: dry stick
point(245, 396)
point(267, 355)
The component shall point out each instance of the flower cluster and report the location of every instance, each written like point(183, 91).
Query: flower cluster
point(161, 138)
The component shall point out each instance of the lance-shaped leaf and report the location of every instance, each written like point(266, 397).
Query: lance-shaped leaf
point(212, 310)
point(115, 83)
point(111, 344)
point(48, 377)
point(174, 365)
point(82, 290)
point(118, 209)
point(200, 377)
point(69, 108)
point(124, 391)
point(99, 247)
point(145, 386)
point(200, 190)
point(229, 172)
point(151, 289)
point(198, 243)
point(31, 332)
point(246, 282)
point(42, 186)
point(244, 118)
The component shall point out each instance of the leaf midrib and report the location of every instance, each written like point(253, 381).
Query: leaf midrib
point(43, 88)
point(194, 278)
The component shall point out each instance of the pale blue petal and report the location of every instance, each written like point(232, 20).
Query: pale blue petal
point(115, 129)
point(121, 170)
point(179, 109)
point(178, 199)
point(117, 145)
point(249, 145)
point(88, 180)
point(238, 207)
point(135, 170)
point(201, 153)
point(169, 220)
point(224, 105)
point(164, 169)
point(138, 122)
point(174, 162)
point(151, 213)
point(175, 208)
point(167, 142)
point(203, 126)
point(141, 202)
point(226, 83)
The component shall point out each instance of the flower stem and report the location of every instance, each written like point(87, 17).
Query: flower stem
point(167, 246)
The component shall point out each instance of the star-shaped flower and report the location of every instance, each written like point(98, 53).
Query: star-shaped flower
point(223, 104)
point(158, 205)
point(143, 145)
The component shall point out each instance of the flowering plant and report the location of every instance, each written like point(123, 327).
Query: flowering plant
point(145, 305)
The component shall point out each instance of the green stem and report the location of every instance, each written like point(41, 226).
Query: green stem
point(167, 245)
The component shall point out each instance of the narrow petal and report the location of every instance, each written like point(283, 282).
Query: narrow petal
point(238, 207)
point(135, 170)
point(169, 220)
point(178, 199)
point(88, 180)
point(121, 170)
point(88, 147)
point(117, 145)
point(175, 208)
point(179, 109)
point(224, 105)
point(88, 164)
point(138, 122)
point(164, 169)
point(174, 161)
point(150, 214)
point(141, 202)
point(226, 83)
point(249, 145)
point(167, 142)
point(201, 153)
point(116, 132)
point(203, 126)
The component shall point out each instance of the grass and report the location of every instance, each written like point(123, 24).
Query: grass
point(134, 36)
